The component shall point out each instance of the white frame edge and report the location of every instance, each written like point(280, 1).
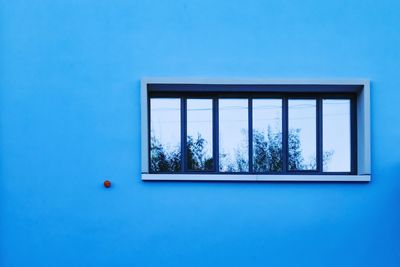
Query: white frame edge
point(363, 132)
point(255, 177)
point(144, 125)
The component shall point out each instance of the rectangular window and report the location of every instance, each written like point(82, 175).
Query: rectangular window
point(165, 135)
point(336, 135)
point(302, 140)
point(233, 135)
point(266, 138)
point(267, 135)
point(257, 130)
point(199, 142)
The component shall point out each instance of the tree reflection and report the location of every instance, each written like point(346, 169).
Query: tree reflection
point(267, 151)
point(236, 159)
point(198, 158)
point(296, 160)
point(267, 154)
point(162, 159)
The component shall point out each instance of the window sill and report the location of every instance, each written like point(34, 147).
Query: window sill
point(255, 177)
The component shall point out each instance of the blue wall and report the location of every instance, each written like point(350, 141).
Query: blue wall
point(70, 117)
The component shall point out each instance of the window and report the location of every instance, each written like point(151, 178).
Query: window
point(267, 135)
point(199, 137)
point(255, 131)
point(165, 135)
point(233, 137)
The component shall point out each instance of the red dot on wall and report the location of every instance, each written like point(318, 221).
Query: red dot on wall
point(107, 183)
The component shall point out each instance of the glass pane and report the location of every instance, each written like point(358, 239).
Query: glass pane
point(267, 135)
point(233, 135)
point(336, 135)
point(302, 134)
point(165, 135)
point(199, 134)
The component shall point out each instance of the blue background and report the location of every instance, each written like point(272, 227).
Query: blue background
point(70, 117)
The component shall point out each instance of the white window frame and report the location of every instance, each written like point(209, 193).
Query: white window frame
point(363, 133)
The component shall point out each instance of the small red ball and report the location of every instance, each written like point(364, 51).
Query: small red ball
point(107, 183)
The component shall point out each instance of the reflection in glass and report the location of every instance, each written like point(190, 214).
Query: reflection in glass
point(302, 134)
point(267, 135)
point(199, 134)
point(165, 134)
point(233, 135)
point(336, 135)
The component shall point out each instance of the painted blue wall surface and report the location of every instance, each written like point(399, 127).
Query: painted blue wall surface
point(70, 118)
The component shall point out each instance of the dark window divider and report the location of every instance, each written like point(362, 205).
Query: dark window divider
point(319, 154)
point(250, 131)
point(184, 150)
point(149, 131)
point(353, 136)
point(215, 135)
point(285, 135)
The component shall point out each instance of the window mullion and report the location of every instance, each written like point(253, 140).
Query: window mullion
point(319, 152)
point(285, 135)
point(353, 137)
point(215, 135)
point(250, 131)
point(183, 135)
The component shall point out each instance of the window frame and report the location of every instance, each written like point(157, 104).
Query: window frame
point(358, 94)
